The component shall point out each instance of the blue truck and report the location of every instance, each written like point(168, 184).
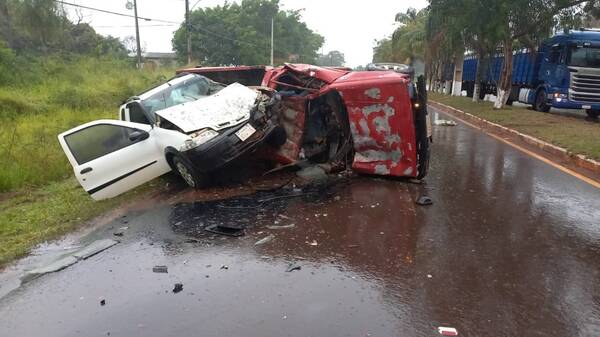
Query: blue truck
point(564, 73)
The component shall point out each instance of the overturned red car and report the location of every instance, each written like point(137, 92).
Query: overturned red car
point(375, 121)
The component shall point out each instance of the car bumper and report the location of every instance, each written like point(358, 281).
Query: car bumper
point(226, 147)
point(568, 104)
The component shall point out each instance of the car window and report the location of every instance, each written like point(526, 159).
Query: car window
point(184, 90)
point(136, 114)
point(98, 140)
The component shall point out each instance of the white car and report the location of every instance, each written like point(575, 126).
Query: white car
point(190, 124)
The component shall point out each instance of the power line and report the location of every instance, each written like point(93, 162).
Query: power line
point(195, 4)
point(114, 13)
point(141, 26)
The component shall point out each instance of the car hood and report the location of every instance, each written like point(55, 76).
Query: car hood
point(228, 107)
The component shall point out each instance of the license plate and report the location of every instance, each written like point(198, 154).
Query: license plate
point(245, 132)
point(586, 106)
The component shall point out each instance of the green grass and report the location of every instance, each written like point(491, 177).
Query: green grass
point(39, 198)
point(63, 94)
point(34, 216)
point(575, 134)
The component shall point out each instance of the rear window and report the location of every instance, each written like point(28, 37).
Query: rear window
point(97, 141)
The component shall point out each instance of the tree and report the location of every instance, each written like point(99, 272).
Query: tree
point(334, 58)
point(240, 34)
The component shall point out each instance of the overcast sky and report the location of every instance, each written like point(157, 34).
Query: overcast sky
point(348, 26)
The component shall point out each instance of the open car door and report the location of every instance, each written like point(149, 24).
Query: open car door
point(110, 157)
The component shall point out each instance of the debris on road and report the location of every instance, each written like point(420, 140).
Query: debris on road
point(293, 267)
point(282, 226)
point(264, 240)
point(224, 267)
point(446, 331)
point(120, 232)
point(444, 122)
point(223, 230)
point(160, 269)
point(313, 243)
point(178, 288)
point(424, 200)
point(102, 302)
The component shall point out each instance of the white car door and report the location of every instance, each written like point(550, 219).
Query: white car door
point(110, 157)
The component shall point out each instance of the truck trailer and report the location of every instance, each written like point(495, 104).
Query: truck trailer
point(563, 73)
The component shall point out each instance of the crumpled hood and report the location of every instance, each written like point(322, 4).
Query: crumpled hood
point(226, 108)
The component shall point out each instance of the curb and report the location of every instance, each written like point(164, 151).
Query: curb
point(578, 160)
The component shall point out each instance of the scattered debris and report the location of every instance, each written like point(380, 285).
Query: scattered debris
point(102, 302)
point(353, 246)
point(119, 233)
point(178, 287)
point(264, 240)
point(444, 122)
point(424, 200)
point(224, 267)
point(293, 267)
point(160, 269)
point(446, 331)
point(312, 173)
point(313, 243)
point(282, 226)
point(429, 276)
point(223, 230)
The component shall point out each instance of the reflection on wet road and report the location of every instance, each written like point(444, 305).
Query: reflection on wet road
point(510, 247)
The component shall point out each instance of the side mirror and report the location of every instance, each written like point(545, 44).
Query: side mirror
point(138, 135)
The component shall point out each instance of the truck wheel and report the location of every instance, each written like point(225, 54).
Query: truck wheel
point(188, 173)
point(592, 113)
point(540, 102)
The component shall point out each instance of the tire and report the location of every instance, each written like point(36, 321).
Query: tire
point(540, 102)
point(278, 137)
point(187, 172)
point(593, 114)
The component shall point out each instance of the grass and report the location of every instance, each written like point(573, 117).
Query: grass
point(576, 135)
point(34, 216)
point(39, 198)
point(63, 95)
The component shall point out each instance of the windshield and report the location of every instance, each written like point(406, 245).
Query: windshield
point(180, 90)
point(588, 57)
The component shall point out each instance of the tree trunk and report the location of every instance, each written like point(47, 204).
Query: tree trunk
point(459, 58)
point(5, 24)
point(505, 76)
point(478, 76)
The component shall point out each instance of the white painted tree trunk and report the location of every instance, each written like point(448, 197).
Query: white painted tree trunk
point(476, 92)
point(448, 87)
point(501, 99)
point(459, 58)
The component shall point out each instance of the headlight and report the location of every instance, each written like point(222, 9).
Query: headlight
point(199, 138)
point(559, 97)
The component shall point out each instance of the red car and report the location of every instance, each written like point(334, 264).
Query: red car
point(375, 120)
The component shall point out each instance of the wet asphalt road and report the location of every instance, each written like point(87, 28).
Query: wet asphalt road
point(510, 247)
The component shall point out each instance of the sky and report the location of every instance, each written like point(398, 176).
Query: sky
point(348, 26)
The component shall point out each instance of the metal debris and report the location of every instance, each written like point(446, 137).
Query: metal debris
point(160, 269)
point(291, 267)
point(102, 302)
point(264, 240)
point(178, 288)
point(447, 331)
point(444, 122)
point(424, 200)
point(282, 226)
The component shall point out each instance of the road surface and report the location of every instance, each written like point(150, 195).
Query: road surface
point(510, 247)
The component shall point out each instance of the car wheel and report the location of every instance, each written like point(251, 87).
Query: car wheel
point(277, 137)
point(187, 173)
point(592, 113)
point(540, 102)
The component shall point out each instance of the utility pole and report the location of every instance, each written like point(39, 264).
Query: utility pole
point(137, 36)
point(272, 19)
point(188, 25)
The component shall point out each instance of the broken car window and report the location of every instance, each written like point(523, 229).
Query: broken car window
point(186, 91)
point(98, 140)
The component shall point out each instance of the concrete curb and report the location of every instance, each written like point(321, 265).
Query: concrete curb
point(578, 160)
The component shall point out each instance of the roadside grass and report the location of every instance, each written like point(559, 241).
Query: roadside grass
point(30, 217)
point(39, 198)
point(576, 135)
point(64, 94)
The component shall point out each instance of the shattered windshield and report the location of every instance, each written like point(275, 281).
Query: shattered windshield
point(588, 57)
point(180, 90)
